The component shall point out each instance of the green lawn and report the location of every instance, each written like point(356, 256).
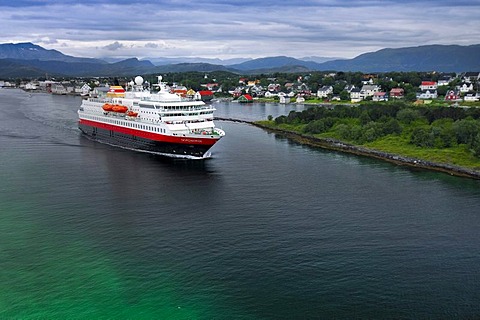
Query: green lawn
point(399, 144)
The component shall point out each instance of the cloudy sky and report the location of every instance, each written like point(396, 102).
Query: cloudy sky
point(237, 29)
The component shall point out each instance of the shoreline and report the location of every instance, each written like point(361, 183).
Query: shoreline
point(337, 145)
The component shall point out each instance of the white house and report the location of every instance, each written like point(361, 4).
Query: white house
point(85, 89)
point(466, 87)
point(444, 81)
point(355, 95)
point(31, 86)
point(428, 85)
point(273, 87)
point(380, 96)
point(324, 91)
point(58, 88)
point(101, 91)
point(471, 77)
point(300, 99)
point(6, 84)
point(270, 94)
point(369, 90)
point(69, 88)
point(284, 99)
point(471, 97)
point(427, 94)
point(367, 82)
point(349, 87)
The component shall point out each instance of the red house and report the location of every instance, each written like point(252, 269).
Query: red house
point(205, 95)
point(397, 93)
point(246, 98)
point(451, 95)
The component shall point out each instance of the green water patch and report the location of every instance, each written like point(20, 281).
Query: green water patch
point(53, 274)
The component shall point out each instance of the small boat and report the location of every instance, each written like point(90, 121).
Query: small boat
point(119, 108)
point(107, 107)
point(132, 114)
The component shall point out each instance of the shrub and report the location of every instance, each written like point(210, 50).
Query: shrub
point(422, 137)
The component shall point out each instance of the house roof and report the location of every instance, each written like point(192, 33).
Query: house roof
point(472, 74)
point(205, 93)
point(370, 87)
point(428, 83)
point(397, 90)
point(325, 88)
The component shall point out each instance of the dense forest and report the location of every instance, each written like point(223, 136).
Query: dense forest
point(381, 125)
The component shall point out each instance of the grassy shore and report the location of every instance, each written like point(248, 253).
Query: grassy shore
point(457, 160)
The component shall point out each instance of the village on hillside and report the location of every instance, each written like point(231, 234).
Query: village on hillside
point(329, 87)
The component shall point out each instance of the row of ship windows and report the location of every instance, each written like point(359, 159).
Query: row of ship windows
point(172, 108)
point(179, 114)
point(184, 114)
point(130, 124)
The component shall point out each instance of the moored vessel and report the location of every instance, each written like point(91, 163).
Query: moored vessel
point(155, 122)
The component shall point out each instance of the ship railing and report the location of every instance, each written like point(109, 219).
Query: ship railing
point(207, 132)
point(97, 100)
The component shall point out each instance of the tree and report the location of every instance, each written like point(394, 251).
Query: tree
point(317, 126)
point(442, 90)
point(466, 131)
point(364, 117)
point(411, 96)
point(280, 119)
point(444, 134)
point(343, 131)
point(392, 126)
point(344, 95)
point(422, 137)
point(338, 88)
point(476, 146)
point(408, 115)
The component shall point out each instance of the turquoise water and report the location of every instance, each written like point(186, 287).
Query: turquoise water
point(265, 229)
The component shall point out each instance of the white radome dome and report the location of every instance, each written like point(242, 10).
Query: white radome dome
point(138, 80)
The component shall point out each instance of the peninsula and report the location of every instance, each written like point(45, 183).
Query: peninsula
point(444, 139)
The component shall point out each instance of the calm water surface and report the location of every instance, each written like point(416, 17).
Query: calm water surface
point(265, 229)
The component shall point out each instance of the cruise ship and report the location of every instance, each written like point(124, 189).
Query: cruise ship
point(155, 122)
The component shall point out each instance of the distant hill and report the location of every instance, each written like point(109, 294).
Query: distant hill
point(10, 68)
point(318, 59)
point(30, 60)
point(273, 63)
point(220, 62)
point(441, 58)
point(71, 69)
point(30, 51)
point(187, 67)
point(127, 67)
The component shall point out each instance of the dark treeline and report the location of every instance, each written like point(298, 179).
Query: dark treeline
point(429, 127)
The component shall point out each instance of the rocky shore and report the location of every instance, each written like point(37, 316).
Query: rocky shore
point(332, 144)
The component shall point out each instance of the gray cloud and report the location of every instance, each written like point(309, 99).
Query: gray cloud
point(114, 46)
point(229, 28)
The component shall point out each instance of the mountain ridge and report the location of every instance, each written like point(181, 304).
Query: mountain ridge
point(30, 60)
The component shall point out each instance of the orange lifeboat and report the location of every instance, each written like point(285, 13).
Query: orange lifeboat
point(132, 114)
point(119, 108)
point(107, 107)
